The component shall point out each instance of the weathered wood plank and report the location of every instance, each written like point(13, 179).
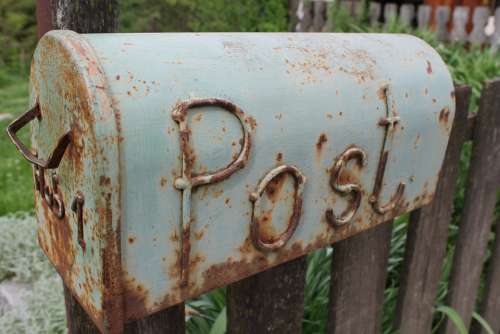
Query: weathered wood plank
point(407, 13)
point(169, 321)
point(359, 267)
point(460, 19)
point(390, 13)
point(77, 319)
point(428, 233)
point(319, 19)
point(374, 12)
point(495, 39)
point(293, 19)
point(85, 16)
point(423, 16)
point(269, 302)
point(442, 16)
point(490, 305)
point(479, 20)
point(480, 196)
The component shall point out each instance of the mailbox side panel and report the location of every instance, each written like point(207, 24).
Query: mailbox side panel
point(307, 100)
point(67, 81)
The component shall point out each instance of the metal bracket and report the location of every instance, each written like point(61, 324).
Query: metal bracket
point(190, 180)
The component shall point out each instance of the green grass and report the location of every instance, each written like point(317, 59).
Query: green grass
point(22, 260)
point(16, 182)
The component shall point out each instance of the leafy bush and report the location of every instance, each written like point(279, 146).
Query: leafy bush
point(21, 259)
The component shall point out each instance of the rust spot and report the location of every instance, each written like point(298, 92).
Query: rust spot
point(382, 94)
point(174, 237)
point(117, 77)
point(227, 201)
point(274, 188)
point(444, 116)
point(163, 182)
point(198, 117)
point(279, 157)
point(218, 193)
point(329, 115)
point(231, 271)
point(136, 299)
point(417, 141)
point(131, 239)
point(58, 244)
point(426, 91)
point(252, 122)
point(321, 140)
point(429, 67)
point(104, 180)
point(198, 235)
point(195, 260)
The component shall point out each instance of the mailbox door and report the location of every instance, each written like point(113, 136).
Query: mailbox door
point(77, 201)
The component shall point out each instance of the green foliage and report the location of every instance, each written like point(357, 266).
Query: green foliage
point(454, 317)
point(20, 255)
point(17, 33)
point(21, 259)
point(44, 312)
point(15, 173)
point(199, 15)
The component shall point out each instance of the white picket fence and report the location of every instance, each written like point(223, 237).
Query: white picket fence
point(313, 16)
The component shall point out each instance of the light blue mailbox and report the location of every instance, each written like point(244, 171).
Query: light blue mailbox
point(167, 165)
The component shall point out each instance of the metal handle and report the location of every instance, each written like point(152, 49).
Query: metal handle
point(56, 155)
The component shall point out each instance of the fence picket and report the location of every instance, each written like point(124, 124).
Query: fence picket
point(495, 38)
point(306, 16)
point(480, 196)
point(269, 302)
point(460, 19)
point(319, 18)
point(407, 12)
point(424, 16)
point(442, 18)
point(390, 13)
point(359, 267)
point(428, 234)
point(479, 20)
point(490, 305)
point(374, 13)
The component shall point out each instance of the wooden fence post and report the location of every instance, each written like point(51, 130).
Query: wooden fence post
point(460, 19)
point(359, 268)
point(490, 305)
point(86, 16)
point(480, 197)
point(269, 302)
point(428, 233)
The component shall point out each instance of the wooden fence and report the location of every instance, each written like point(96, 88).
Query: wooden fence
point(273, 301)
point(479, 25)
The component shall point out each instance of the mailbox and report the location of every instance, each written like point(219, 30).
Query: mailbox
point(166, 165)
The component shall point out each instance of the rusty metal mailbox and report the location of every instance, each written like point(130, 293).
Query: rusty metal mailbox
point(167, 165)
